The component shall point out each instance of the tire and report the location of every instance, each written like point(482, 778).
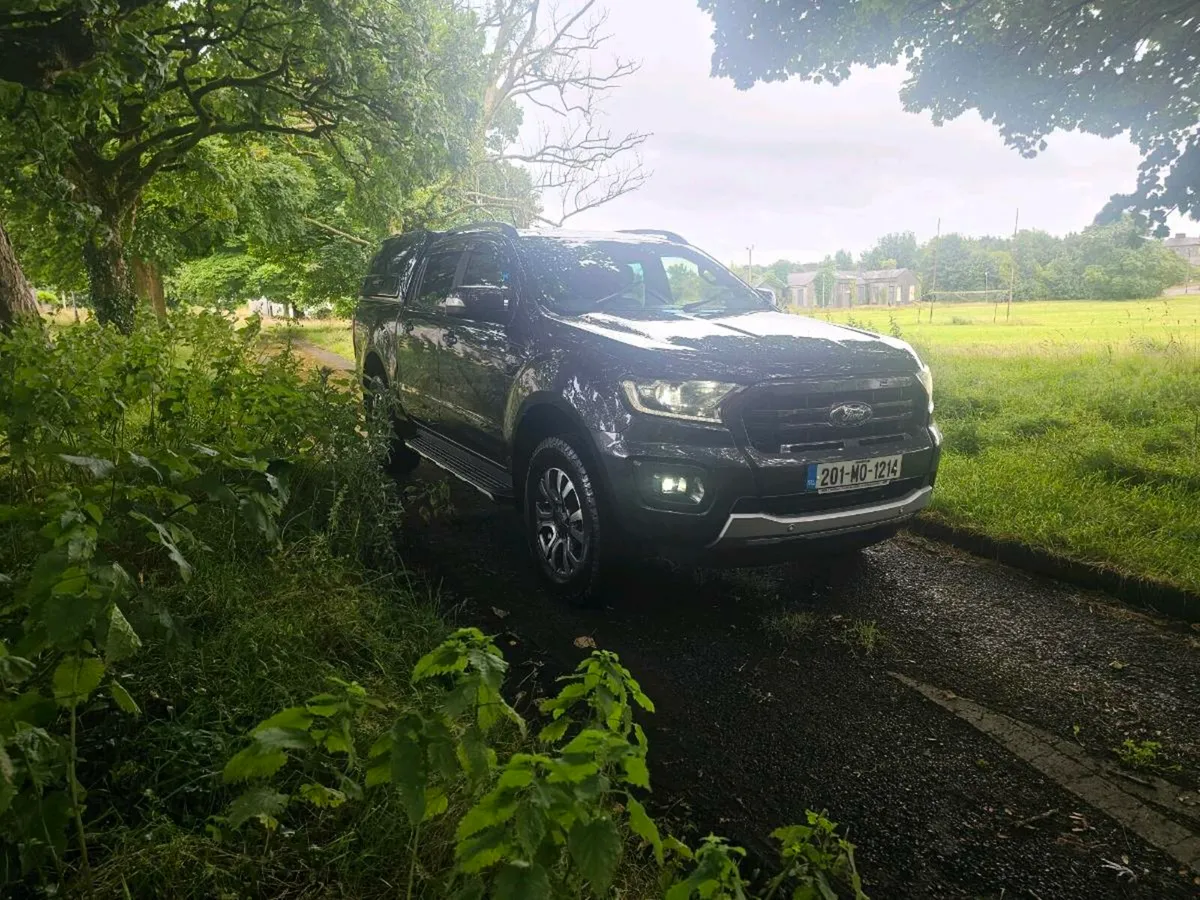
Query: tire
point(400, 459)
point(564, 521)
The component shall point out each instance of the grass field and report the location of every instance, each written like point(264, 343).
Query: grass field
point(1074, 426)
point(332, 334)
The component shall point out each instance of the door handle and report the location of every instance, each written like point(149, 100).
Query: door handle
point(450, 338)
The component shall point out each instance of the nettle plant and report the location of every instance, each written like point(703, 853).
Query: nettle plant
point(551, 823)
point(121, 458)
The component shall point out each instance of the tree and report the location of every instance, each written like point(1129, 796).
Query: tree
point(1029, 66)
point(162, 78)
point(16, 296)
point(899, 248)
point(544, 56)
point(844, 260)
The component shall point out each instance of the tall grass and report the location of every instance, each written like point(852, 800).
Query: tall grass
point(1073, 427)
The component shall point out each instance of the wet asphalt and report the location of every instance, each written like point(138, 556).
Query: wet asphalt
point(775, 694)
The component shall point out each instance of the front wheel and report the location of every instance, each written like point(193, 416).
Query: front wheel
point(563, 520)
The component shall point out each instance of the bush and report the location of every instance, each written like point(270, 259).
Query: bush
point(141, 477)
point(548, 821)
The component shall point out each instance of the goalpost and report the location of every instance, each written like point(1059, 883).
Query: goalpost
point(995, 295)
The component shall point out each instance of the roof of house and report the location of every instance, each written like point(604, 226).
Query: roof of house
point(803, 279)
point(884, 274)
point(1182, 240)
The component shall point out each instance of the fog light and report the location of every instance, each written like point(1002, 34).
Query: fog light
point(686, 488)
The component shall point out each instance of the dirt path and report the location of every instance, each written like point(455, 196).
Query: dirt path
point(956, 715)
point(321, 357)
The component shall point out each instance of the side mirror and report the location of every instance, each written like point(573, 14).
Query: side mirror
point(767, 294)
point(483, 303)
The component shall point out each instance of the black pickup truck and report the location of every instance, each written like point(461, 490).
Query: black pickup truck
point(629, 393)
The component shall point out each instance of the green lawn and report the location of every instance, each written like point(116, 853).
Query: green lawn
point(1073, 426)
point(332, 334)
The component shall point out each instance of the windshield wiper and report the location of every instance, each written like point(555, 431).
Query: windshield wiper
point(700, 304)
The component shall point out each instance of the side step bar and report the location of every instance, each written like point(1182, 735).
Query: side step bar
point(483, 475)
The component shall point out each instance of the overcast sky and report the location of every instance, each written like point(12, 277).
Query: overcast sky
point(801, 170)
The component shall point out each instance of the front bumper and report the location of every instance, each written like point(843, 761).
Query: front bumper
point(745, 529)
point(756, 508)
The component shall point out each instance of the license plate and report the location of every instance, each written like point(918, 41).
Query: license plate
point(857, 473)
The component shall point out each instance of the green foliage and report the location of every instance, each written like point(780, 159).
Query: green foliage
point(194, 115)
point(124, 461)
point(550, 823)
point(1142, 756)
point(815, 860)
point(1030, 67)
point(898, 248)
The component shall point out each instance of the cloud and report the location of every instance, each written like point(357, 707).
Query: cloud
point(800, 170)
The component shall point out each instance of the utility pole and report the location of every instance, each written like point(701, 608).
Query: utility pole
point(1012, 280)
point(750, 265)
point(933, 290)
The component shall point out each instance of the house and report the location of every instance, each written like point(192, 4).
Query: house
point(874, 287)
point(1187, 247)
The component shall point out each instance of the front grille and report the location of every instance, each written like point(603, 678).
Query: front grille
point(812, 502)
point(795, 415)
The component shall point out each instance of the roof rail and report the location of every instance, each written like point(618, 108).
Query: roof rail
point(669, 235)
point(503, 227)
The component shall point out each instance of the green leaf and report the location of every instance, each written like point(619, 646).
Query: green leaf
point(595, 847)
point(531, 828)
point(521, 881)
point(636, 772)
point(324, 705)
point(436, 803)
point(260, 803)
point(553, 733)
point(676, 847)
point(409, 775)
point(441, 660)
point(68, 616)
point(643, 826)
point(161, 534)
point(122, 641)
point(320, 796)
point(75, 679)
point(253, 762)
point(124, 701)
point(482, 849)
point(282, 738)
point(100, 468)
point(292, 717)
point(381, 774)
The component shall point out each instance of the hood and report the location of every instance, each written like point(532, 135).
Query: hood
point(741, 347)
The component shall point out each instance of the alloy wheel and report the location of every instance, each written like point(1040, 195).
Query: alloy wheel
point(561, 532)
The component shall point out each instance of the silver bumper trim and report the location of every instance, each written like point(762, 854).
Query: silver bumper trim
point(760, 526)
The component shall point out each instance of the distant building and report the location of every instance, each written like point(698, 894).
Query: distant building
point(1187, 247)
point(875, 287)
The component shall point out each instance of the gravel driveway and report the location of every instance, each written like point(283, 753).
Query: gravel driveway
point(957, 716)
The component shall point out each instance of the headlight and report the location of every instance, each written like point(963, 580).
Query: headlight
point(925, 376)
point(697, 401)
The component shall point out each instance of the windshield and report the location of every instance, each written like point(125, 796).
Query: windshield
point(580, 276)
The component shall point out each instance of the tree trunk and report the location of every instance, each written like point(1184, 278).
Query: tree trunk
point(147, 282)
point(108, 278)
point(17, 300)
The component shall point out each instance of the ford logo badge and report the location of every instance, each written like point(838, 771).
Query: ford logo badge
point(845, 414)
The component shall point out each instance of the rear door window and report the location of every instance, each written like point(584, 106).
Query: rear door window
point(487, 266)
point(437, 280)
point(392, 269)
